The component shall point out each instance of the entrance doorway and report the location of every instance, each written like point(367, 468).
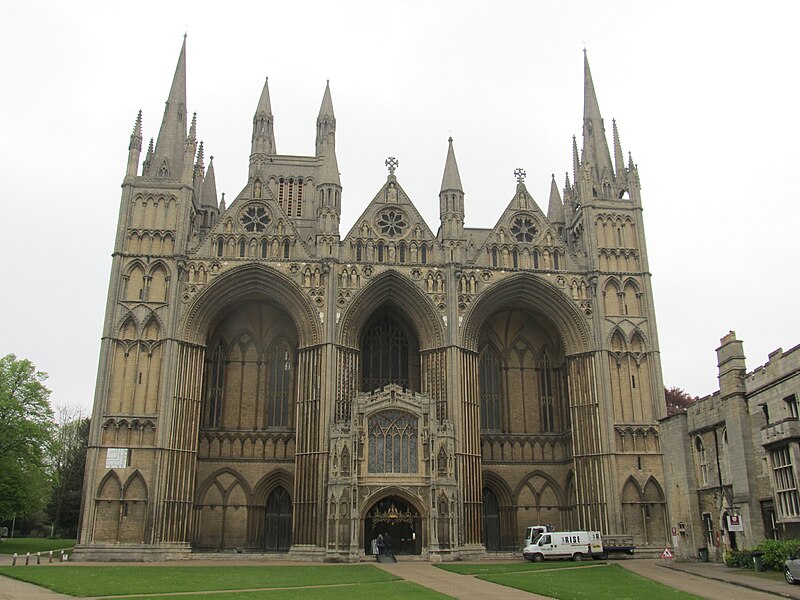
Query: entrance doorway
point(278, 522)
point(491, 521)
point(396, 519)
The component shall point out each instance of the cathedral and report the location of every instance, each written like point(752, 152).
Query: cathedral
point(270, 384)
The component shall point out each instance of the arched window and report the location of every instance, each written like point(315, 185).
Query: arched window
point(278, 520)
point(491, 520)
point(701, 456)
point(279, 386)
point(494, 257)
point(263, 248)
point(515, 258)
point(286, 249)
point(220, 246)
point(215, 372)
point(380, 251)
point(424, 252)
point(392, 442)
point(386, 355)
point(546, 393)
point(359, 249)
point(491, 395)
point(555, 260)
point(402, 252)
point(241, 247)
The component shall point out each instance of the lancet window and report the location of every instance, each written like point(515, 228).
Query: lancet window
point(215, 373)
point(546, 393)
point(491, 395)
point(392, 442)
point(279, 386)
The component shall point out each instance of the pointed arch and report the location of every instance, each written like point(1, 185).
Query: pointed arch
point(135, 487)
point(245, 283)
point(129, 328)
point(390, 289)
point(616, 340)
point(110, 487)
point(134, 282)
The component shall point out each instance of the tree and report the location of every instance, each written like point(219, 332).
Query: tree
point(67, 462)
point(26, 423)
point(678, 400)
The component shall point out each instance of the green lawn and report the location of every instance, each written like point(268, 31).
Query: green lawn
point(515, 567)
point(119, 580)
point(606, 582)
point(360, 591)
point(33, 545)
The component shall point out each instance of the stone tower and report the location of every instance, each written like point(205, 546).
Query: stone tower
point(267, 384)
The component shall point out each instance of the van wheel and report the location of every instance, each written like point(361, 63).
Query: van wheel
point(538, 558)
point(577, 557)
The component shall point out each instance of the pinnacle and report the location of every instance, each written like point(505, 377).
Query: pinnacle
point(451, 180)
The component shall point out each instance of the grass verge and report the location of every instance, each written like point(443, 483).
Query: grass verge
point(119, 580)
point(34, 545)
point(608, 582)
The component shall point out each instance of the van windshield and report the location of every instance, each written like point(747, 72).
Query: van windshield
point(543, 539)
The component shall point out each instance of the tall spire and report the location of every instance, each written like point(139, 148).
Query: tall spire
point(208, 196)
point(555, 209)
point(326, 122)
point(135, 146)
point(263, 140)
point(451, 180)
point(451, 206)
point(171, 143)
point(619, 160)
point(595, 146)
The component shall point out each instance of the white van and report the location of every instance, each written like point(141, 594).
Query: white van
point(575, 545)
point(533, 532)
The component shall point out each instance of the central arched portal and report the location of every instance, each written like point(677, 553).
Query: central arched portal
point(396, 519)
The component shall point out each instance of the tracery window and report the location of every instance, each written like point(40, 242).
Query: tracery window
point(524, 229)
point(384, 355)
point(279, 386)
point(254, 218)
point(546, 393)
point(491, 395)
point(392, 442)
point(392, 223)
point(215, 374)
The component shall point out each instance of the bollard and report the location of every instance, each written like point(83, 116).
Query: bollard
point(14, 560)
point(38, 558)
point(61, 558)
point(66, 558)
point(27, 559)
point(50, 557)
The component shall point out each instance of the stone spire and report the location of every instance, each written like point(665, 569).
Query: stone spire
point(595, 146)
point(208, 196)
point(451, 180)
point(148, 158)
point(555, 209)
point(263, 140)
point(451, 204)
point(171, 144)
point(326, 122)
point(619, 160)
point(135, 146)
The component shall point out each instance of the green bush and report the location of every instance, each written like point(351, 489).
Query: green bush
point(739, 559)
point(777, 551)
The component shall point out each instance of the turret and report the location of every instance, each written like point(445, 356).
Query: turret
point(555, 208)
point(263, 140)
point(135, 147)
point(326, 122)
point(451, 206)
point(167, 160)
point(190, 148)
point(329, 187)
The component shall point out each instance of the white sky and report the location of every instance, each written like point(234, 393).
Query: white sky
point(705, 95)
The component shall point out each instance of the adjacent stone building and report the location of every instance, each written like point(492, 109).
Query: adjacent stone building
point(732, 458)
point(270, 383)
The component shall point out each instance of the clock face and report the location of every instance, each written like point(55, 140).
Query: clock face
point(255, 218)
point(524, 229)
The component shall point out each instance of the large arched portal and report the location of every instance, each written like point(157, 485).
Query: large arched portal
point(397, 521)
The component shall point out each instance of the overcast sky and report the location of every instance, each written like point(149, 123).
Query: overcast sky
point(705, 95)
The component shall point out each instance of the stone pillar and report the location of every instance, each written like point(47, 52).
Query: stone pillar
point(468, 453)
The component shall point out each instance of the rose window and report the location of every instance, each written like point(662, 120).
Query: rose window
point(392, 223)
point(255, 218)
point(524, 229)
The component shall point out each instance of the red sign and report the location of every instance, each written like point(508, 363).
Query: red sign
point(666, 553)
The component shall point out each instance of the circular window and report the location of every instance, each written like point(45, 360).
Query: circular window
point(255, 218)
point(392, 222)
point(524, 229)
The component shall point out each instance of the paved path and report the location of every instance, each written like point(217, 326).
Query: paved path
point(461, 587)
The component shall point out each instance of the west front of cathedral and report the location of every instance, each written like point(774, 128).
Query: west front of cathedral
point(269, 385)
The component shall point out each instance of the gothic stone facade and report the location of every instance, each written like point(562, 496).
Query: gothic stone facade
point(735, 454)
point(266, 384)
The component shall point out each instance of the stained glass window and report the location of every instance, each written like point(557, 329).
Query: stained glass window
point(279, 386)
point(384, 355)
point(392, 442)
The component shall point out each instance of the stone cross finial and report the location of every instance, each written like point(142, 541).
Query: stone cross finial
point(392, 163)
point(520, 175)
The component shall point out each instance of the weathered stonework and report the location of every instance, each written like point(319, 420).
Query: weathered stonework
point(266, 385)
